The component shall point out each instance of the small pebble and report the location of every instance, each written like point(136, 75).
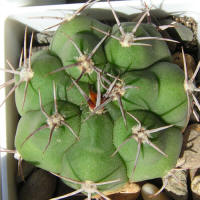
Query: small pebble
point(39, 186)
point(177, 185)
point(190, 62)
point(149, 189)
point(195, 187)
point(191, 147)
point(130, 191)
point(27, 168)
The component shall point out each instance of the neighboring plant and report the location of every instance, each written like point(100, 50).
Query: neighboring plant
point(103, 106)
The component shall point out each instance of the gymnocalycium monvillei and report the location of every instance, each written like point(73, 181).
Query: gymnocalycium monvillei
point(103, 106)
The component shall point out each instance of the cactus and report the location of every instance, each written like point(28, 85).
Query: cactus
point(32, 75)
point(105, 106)
point(51, 129)
point(42, 63)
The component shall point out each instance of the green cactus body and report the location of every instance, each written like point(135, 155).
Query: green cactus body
point(144, 91)
point(158, 89)
point(86, 42)
point(74, 96)
point(33, 149)
point(113, 110)
point(42, 63)
point(80, 24)
point(136, 57)
point(90, 158)
point(151, 164)
point(171, 104)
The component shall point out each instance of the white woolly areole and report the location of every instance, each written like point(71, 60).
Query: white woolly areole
point(26, 74)
point(139, 133)
point(55, 119)
point(89, 187)
point(127, 40)
point(189, 86)
point(118, 89)
point(85, 64)
point(17, 156)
